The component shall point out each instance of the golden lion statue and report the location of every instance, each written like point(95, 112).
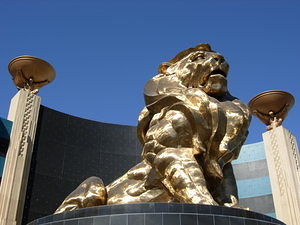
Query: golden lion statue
point(191, 129)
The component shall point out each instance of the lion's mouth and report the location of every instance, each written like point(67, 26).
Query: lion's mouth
point(218, 72)
point(215, 74)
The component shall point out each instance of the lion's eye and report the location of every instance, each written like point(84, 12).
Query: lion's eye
point(200, 55)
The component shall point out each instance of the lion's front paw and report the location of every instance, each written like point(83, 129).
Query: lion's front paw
point(234, 203)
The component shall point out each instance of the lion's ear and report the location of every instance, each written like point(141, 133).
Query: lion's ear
point(163, 67)
point(203, 47)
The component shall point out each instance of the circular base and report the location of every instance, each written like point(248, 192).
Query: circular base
point(158, 214)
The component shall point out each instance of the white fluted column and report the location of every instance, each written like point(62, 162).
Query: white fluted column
point(284, 168)
point(23, 112)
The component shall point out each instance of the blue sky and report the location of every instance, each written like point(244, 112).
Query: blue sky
point(105, 51)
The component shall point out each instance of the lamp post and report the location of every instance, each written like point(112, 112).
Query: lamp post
point(282, 154)
point(29, 75)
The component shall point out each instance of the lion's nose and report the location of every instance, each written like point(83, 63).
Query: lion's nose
point(218, 58)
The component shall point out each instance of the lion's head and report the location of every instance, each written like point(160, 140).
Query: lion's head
point(199, 67)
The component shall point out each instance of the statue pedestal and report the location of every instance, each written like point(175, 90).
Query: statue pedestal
point(158, 214)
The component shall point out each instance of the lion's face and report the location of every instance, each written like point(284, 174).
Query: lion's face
point(201, 69)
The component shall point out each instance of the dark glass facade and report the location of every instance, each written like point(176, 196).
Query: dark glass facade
point(68, 150)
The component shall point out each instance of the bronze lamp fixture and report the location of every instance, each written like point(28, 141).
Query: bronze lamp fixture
point(30, 73)
point(271, 107)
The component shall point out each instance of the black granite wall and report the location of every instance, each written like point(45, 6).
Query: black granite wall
point(69, 149)
point(158, 214)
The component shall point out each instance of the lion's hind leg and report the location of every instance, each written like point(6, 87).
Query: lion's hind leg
point(90, 192)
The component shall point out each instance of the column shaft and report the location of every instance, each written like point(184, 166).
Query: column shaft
point(23, 112)
point(283, 164)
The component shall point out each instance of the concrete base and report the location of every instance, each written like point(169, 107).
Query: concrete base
point(158, 214)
